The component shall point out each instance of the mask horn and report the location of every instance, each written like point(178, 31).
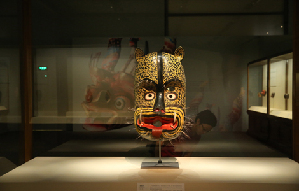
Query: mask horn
point(138, 54)
point(179, 53)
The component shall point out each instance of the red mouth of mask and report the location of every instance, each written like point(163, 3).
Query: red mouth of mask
point(158, 124)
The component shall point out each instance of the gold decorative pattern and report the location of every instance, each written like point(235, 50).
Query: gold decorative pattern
point(174, 89)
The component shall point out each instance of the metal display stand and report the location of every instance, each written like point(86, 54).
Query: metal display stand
point(160, 164)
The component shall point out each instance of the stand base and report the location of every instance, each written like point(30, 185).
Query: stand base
point(156, 165)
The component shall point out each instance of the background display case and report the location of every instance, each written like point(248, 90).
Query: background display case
point(270, 100)
point(257, 87)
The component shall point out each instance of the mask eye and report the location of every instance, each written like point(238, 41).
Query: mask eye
point(149, 96)
point(171, 96)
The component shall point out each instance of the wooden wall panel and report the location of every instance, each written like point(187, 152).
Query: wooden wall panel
point(26, 83)
point(296, 82)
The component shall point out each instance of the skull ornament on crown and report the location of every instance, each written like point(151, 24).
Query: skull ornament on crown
point(160, 95)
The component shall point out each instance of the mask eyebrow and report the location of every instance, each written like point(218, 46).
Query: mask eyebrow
point(173, 83)
point(148, 84)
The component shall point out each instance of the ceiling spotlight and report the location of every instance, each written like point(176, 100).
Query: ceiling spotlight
point(111, 7)
point(281, 26)
point(267, 32)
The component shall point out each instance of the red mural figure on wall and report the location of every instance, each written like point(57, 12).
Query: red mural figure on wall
point(107, 100)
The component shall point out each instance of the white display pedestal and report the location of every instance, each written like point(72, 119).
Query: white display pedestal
point(120, 173)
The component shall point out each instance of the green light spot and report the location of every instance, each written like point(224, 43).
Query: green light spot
point(42, 68)
point(46, 76)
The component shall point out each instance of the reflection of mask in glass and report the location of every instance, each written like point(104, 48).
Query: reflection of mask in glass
point(160, 95)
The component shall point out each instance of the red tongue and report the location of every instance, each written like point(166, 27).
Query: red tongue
point(156, 133)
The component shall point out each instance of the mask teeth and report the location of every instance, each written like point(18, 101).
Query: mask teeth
point(174, 117)
point(131, 109)
point(138, 137)
point(186, 135)
point(140, 116)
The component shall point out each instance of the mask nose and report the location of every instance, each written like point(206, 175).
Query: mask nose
point(159, 106)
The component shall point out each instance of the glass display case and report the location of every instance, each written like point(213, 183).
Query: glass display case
point(269, 101)
point(270, 86)
point(281, 70)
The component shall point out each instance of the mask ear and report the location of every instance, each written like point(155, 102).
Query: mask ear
point(138, 54)
point(179, 53)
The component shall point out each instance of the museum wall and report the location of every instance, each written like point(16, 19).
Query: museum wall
point(10, 84)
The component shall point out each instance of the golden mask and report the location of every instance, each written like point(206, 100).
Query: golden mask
point(160, 95)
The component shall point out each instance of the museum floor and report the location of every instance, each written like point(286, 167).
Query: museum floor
point(111, 161)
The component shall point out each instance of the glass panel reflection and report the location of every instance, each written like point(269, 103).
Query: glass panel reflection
point(84, 70)
point(257, 86)
point(253, 25)
point(10, 107)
